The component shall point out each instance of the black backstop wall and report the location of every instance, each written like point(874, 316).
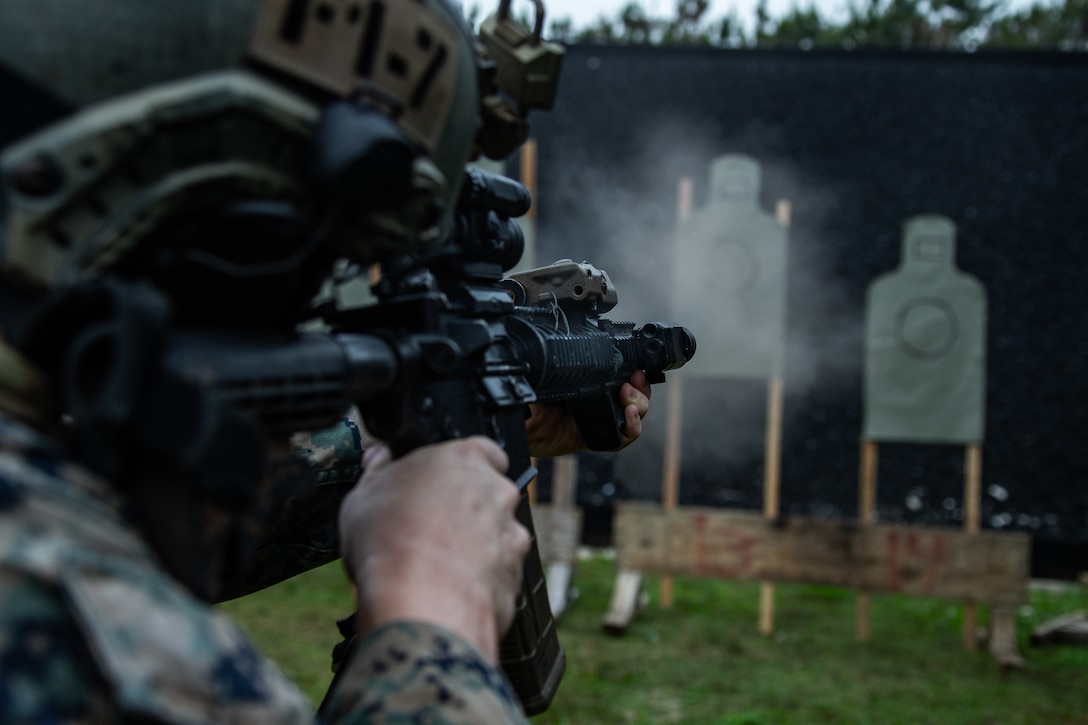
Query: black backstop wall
point(856, 142)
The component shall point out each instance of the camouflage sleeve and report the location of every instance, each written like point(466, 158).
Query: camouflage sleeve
point(94, 651)
point(46, 672)
point(92, 629)
point(303, 535)
point(335, 454)
point(412, 673)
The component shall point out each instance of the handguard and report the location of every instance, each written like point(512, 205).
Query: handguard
point(559, 331)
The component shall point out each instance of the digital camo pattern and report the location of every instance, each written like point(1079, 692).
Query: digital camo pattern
point(92, 631)
point(336, 453)
point(90, 627)
point(414, 674)
point(925, 347)
point(303, 534)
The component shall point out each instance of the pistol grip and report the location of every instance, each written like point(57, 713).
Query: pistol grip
point(600, 420)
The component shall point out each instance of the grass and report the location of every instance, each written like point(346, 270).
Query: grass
point(294, 624)
point(702, 661)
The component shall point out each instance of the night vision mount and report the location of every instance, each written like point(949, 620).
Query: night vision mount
point(528, 66)
point(525, 73)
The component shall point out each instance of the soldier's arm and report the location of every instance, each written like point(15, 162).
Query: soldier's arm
point(46, 671)
point(435, 552)
point(300, 533)
point(423, 669)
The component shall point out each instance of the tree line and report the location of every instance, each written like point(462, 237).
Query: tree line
point(961, 25)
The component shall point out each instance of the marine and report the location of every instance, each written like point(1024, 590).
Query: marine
point(178, 184)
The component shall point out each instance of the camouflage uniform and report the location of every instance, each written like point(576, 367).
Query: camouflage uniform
point(92, 630)
point(304, 534)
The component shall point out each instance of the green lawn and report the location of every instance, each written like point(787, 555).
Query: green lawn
point(702, 661)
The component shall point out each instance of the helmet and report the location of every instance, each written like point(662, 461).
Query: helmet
point(217, 157)
point(97, 50)
point(248, 140)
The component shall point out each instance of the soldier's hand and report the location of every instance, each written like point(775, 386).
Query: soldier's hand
point(553, 432)
point(432, 537)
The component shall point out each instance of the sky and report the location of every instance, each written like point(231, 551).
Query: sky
point(585, 12)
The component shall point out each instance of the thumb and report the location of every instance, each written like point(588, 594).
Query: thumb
point(376, 457)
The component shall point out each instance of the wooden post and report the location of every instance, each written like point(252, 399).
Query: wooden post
point(867, 492)
point(564, 480)
point(527, 164)
point(771, 488)
point(866, 517)
point(772, 479)
point(671, 483)
point(972, 494)
point(671, 478)
point(527, 161)
point(773, 452)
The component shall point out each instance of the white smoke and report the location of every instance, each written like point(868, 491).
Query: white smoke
point(622, 218)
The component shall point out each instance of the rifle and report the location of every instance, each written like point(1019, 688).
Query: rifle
point(452, 349)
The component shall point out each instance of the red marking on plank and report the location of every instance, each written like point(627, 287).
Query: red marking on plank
point(895, 582)
point(728, 543)
point(912, 545)
point(936, 563)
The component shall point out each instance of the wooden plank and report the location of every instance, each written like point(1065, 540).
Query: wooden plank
point(1067, 629)
point(947, 563)
point(558, 532)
